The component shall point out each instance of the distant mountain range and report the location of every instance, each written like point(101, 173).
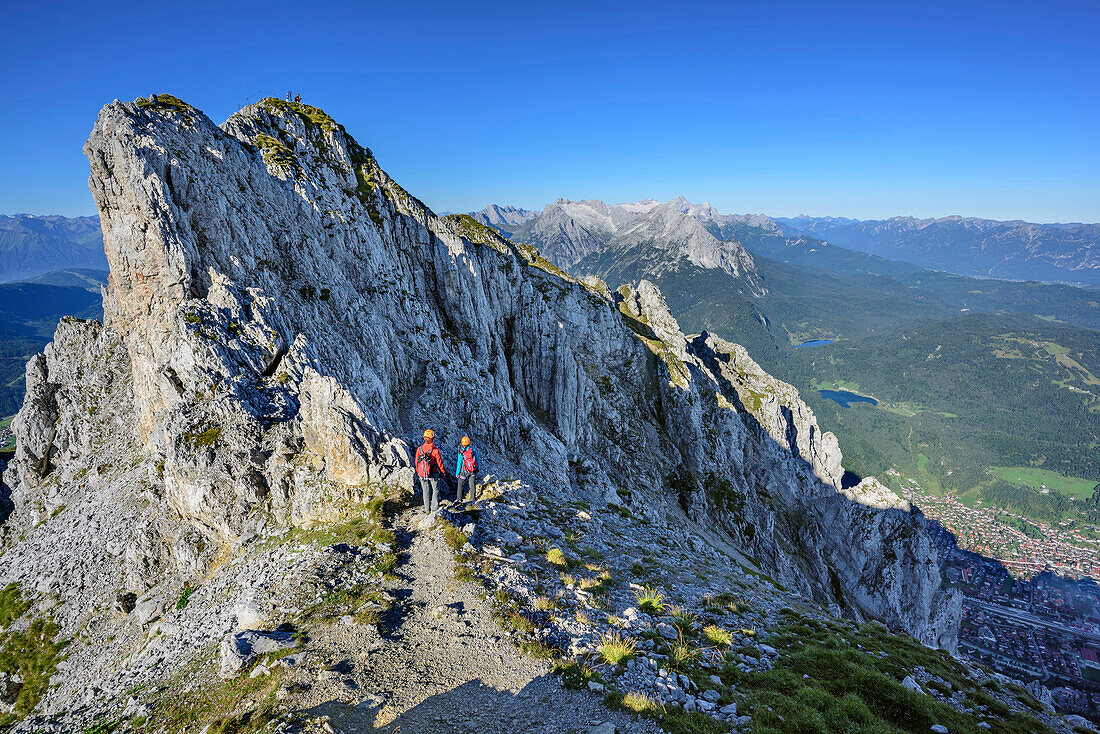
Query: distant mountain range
point(1014, 250)
point(566, 231)
point(1065, 253)
point(505, 219)
point(29, 313)
point(31, 245)
point(773, 284)
point(777, 272)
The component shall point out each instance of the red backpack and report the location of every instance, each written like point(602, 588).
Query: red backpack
point(424, 461)
point(469, 460)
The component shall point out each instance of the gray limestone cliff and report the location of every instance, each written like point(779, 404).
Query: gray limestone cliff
point(283, 320)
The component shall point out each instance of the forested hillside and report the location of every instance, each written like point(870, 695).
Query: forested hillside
point(959, 396)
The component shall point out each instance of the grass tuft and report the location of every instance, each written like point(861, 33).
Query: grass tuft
point(206, 437)
point(717, 635)
point(674, 719)
point(576, 676)
point(185, 596)
point(365, 528)
point(722, 602)
point(682, 654)
point(615, 648)
point(545, 603)
point(650, 600)
point(33, 655)
point(638, 703)
point(682, 619)
point(556, 557)
point(464, 574)
point(386, 565)
point(454, 537)
point(12, 604)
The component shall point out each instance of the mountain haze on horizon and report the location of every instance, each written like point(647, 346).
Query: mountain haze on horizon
point(1069, 253)
point(31, 245)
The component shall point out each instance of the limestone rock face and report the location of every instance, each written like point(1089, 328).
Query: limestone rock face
point(775, 405)
point(282, 322)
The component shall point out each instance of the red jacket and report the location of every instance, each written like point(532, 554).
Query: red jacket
point(429, 462)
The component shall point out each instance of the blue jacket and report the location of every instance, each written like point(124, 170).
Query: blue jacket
point(458, 466)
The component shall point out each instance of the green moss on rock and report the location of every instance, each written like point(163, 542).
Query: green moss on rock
point(472, 229)
point(206, 437)
point(164, 102)
point(276, 152)
point(310, 114)
point(31, 654)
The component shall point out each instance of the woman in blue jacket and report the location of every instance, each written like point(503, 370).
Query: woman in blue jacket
point(466, 471)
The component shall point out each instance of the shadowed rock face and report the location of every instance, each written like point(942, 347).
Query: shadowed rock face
point(282, 322)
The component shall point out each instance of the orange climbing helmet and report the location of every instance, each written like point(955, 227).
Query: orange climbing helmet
point(465, 440)
point(429, 435)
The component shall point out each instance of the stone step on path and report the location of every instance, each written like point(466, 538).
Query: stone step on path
point(443, 664)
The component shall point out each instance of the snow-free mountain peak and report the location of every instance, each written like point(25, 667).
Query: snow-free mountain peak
point(632, 241)
point(504, 219)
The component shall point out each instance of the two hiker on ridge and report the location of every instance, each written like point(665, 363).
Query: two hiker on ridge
point(430, 471)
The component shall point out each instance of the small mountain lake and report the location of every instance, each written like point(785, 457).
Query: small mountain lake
point(844, 399)
point(813, 343)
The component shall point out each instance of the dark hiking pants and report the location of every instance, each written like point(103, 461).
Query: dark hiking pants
point(467, 486)
point(429, 489)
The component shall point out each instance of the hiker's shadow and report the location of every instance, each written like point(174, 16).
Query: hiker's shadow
point(475, 706)
point(396, 613)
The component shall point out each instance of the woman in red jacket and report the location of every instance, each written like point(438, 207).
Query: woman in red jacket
point(430, 469)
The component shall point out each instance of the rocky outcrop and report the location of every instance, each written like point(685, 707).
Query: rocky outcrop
point(873, 493)
point(282, 322)
point(775, 405)
point(239, 649)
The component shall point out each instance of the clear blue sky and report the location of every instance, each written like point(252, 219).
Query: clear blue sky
point(864, 109)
